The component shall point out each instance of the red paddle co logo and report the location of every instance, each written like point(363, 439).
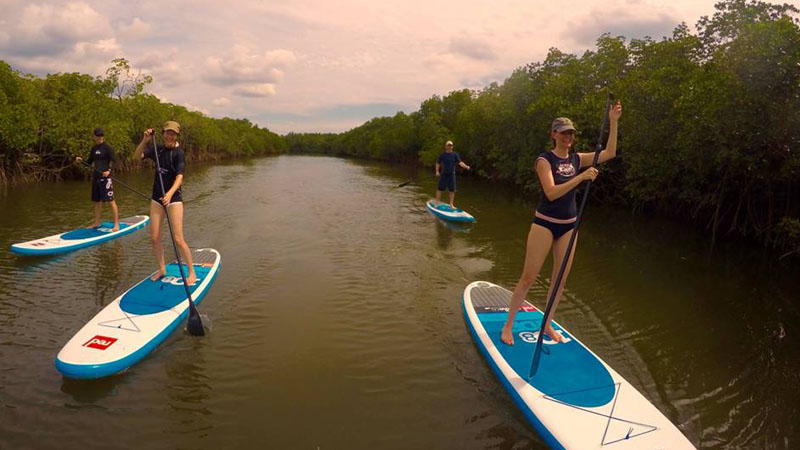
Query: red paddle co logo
point(100, 342)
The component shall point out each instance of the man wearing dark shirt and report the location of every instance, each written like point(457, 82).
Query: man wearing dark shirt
point(101, 155)
point(446, 171)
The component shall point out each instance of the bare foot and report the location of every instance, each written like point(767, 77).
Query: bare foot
point(192, 278)
point(452, 206)
point(116, 227)
point(94, 225)
point(508, 336)
point(552, 334)
point(159, 274)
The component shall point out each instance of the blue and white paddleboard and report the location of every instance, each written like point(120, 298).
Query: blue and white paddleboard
point(575, 401)
point(82, 237)
point(137, 321)
point(446, 212)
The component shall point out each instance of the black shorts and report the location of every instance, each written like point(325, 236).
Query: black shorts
point(177, 197)
point(556, 229)
point(102, 190)
point(447, 181)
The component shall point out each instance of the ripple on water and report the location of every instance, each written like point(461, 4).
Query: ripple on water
point(338, 323)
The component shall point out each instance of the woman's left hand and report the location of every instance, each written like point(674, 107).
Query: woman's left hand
point(615, 112)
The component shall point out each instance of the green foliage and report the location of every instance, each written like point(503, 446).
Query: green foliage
point(46, 122)
point(710, 130)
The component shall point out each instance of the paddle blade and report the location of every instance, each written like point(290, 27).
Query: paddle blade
point(404, 183)
point(194, 324)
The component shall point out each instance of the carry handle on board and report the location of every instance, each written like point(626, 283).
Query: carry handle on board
point(194, 324)
point(537, 352)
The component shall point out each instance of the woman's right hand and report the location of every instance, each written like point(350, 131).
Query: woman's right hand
point(148, 134)
point(589, 174)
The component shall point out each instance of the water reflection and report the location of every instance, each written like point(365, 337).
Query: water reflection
point(108, 272)
point(89, 392)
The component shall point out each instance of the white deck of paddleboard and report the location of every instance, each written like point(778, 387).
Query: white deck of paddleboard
point(55, 243)
point(448, 213)
point(580, 428)
point(113, 335)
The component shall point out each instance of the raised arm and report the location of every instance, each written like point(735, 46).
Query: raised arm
point(139, 152)
point(611, 146)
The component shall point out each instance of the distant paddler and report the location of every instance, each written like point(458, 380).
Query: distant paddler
point(101, 155)
point(168, 197)
point(446, 172)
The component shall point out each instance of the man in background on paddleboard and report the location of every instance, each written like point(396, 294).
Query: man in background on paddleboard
point(172, 162)
point(446, 172)
point(101, 155)
point(559, 174)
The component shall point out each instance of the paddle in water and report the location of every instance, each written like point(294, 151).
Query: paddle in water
point(194, 324)
point(537, 352)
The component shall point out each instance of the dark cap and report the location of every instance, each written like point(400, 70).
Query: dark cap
point(98, 131)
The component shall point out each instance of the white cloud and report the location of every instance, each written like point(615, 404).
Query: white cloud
point(473, 47)
point(166, 67)
point(52, 30)
point(257, 90)
point(135, 30)
point(243, 65)
point(192, 107)
point(634, 20)
point(172, 74)
point(221, 101)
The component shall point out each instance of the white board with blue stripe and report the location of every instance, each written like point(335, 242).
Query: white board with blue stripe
point(575, 400)
point(80, 237)
point(136, 322)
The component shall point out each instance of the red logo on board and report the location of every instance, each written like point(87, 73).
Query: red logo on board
point(100, 342)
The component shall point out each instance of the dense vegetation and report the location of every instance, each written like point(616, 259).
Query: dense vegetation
point(46, 122)
point(710, 130)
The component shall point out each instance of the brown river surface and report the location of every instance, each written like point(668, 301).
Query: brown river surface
point(336, 319)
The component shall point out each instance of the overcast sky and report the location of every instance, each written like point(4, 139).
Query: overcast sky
point(317, 65)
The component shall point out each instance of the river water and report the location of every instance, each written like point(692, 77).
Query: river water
point(336, 320)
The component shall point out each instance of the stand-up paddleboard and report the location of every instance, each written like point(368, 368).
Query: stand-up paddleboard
point(79, 238)
point(575, 401)
point(447, 212)
point(135, 323)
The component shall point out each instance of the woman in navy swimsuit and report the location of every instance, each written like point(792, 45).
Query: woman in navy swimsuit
point(559, 175)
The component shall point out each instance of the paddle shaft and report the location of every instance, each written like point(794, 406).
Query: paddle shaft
point(537, 352)
point(117, 181)
point(194, 315)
